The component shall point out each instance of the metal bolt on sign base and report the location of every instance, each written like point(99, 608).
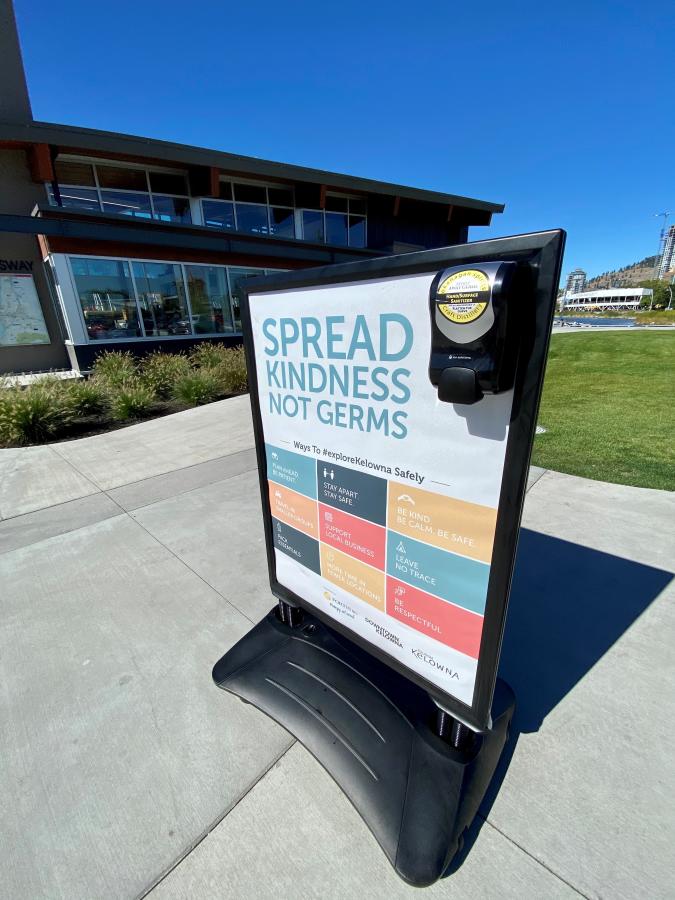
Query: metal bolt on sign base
point(415, 774)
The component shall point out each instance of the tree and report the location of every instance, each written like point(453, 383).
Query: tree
point(661, 295)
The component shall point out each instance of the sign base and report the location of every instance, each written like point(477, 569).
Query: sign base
point(375, 733)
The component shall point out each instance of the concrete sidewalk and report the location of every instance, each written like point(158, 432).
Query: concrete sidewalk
point(131, 561)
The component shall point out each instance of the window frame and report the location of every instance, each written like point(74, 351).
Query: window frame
point(130, 260)
point(267, 186)
point(116, 164)
point(348, 213)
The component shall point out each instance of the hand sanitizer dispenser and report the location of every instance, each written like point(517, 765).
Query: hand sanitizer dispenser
point(474, 343)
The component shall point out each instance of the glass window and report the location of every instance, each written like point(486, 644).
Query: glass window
point(340, 228)
point(127, 203)
point(252, 218)
point(281, 197)
point(250, 193)
point(122, 179)
point(107, 298)
point(357, 231)
point(218, 213)
point(209, 299)
point(168, 183)
point(75, 198)
point(282, 222)
point(237, 278)
point(312, 225)
point(171, 209)
point(74, 173)
point(161, 295)
point(336, 228)
point(122, 191)
point(257, 209)
point(357, 205)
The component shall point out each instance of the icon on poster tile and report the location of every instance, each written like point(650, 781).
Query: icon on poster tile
point(406, 498)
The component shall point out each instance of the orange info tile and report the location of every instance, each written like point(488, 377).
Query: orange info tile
point(294, 509)
point(353, 576)
point(464, 528)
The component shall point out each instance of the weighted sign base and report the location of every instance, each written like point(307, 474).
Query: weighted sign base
point(375, 732)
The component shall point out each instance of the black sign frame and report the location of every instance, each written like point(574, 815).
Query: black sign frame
point(540, 255)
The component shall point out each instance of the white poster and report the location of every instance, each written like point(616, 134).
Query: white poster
point(21, 318)
point(383, 499)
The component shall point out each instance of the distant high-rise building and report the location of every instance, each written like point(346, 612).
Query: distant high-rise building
point(667, 262)
point(576, 282)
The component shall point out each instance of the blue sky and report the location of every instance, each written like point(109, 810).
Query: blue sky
point(562, 111)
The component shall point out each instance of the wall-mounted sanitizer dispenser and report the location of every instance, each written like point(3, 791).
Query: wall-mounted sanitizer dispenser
point(473, 331)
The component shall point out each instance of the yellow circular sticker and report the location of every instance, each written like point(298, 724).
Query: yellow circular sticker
point(463, 296)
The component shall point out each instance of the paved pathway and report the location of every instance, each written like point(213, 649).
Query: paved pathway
point(131, 561)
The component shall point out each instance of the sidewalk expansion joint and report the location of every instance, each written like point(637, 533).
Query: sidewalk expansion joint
point(193, 846)
point(183, 562)
point(535, 859)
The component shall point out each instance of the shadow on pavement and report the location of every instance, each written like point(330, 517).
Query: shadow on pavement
point(569, 604)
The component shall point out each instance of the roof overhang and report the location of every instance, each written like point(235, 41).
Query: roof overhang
point(71, 139)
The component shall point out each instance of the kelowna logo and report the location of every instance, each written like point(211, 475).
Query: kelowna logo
point(390, 636)
point(430, 661)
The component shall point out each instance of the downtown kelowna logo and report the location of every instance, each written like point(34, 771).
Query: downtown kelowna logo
point(384, 633)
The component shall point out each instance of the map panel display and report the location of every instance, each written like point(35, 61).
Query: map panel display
point(21, 318)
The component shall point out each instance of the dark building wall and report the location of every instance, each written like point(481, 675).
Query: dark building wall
point(18, 195)
point(423, 225)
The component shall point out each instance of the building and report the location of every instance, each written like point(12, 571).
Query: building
point(608, 298)
point(111, 241)
point(667, 262)
point(576, 282)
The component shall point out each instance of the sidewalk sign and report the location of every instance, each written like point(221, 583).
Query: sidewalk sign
point(394, 408)
point(388, 512)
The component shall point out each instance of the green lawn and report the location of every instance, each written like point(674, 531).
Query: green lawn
point(609, 409)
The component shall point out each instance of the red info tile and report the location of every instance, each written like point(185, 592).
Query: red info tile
point(451, 625)
point(356, 537)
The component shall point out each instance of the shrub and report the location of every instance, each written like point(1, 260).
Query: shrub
point(197, 387)
point(132, 399)
point(114, 367)
point(231, 371)
point(208, 355)
point(160, 371)
point(33, 414)
point(85, 398)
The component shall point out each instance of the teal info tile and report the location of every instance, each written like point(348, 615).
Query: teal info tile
point(458, 579)
point(291, 470)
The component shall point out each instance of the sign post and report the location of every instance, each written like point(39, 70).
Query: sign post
point(394, 405)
